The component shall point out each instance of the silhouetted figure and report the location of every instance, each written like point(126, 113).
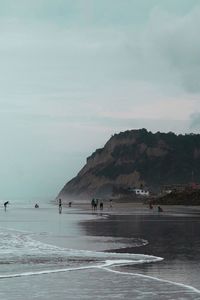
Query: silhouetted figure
point(110, 203)
point(5, 205)
point(97, 201)
point(101, 205)
point(150, 205)
point(70, 204)
point(93, 204)
point(36, 205)
point(60, 206)
point(160, 209)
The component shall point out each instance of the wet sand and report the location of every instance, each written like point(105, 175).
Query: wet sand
point(122, 207)
point(172, 234)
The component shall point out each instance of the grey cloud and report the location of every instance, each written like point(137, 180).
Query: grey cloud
point(59, 78)
point(164, 51)
point(171, 47)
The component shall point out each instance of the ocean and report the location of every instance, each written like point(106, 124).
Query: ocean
point(84, 255)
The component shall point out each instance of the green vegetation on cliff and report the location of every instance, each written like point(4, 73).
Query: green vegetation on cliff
point(136, 157)
point(190, 197)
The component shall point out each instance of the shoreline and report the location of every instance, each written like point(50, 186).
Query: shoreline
point(131, 208)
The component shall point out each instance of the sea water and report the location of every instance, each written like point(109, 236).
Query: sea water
point(46, 255)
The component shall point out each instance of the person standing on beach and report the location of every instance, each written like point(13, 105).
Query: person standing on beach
point(93, 203)
point(60, 206)
point(5, 205)
point(97, 202)
point(150, 205)
point(110, 203)
point(101, 205)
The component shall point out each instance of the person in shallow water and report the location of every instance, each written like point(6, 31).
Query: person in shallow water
point(5, 205)
point(60, 206)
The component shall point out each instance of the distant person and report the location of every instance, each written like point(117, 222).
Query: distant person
point(160, 209)
point(70, 204)
point(110, 203)
point(101, 205)
point(60, 206)
point(150, 205)
point(97, 201)
point(5, 205)
point(36, 205)
point(93, 204)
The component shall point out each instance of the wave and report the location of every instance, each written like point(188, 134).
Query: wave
point(18, 247)
point(104, 265)
point(107, 266)
point(193, 289)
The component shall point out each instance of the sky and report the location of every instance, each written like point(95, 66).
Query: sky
point(74, 72)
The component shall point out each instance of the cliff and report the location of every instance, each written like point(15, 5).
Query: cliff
point(136, 157)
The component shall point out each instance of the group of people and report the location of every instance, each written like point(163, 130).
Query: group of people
point(95, 202)
point(37, 205)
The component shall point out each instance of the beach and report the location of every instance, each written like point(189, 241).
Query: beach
point(124, 252)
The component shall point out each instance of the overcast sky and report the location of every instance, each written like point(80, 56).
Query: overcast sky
point(73, 72)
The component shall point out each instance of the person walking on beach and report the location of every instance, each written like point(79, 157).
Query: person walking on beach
point(60, 206)
point(5, 205)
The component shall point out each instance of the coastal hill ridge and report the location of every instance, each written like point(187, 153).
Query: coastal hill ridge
point(137, 158)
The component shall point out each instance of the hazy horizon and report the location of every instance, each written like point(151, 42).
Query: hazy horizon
point(74, 72)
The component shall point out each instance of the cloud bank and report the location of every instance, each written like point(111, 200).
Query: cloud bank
point(75, 72)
